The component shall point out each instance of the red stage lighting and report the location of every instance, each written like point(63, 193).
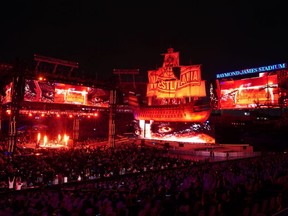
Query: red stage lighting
point(8, 112)
point(41, 78)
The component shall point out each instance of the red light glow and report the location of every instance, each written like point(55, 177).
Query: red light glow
point(8, 112)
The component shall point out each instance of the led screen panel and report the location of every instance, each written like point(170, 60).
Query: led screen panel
point(8, 94)
point(249, 93)
point(49, 92)
point(38, 91)
point(177, 132)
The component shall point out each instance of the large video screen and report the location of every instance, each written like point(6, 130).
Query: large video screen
point(249, 93)
point(50, 92)
point(8, 94)
point(181, 132)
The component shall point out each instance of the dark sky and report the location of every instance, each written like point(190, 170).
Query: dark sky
point(221, 36)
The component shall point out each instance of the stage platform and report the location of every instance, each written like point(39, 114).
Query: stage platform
point(53, 146)
point(196, 151)
point(205, 150)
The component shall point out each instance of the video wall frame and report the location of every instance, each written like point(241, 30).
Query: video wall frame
point(250, 92)
point(54, 92)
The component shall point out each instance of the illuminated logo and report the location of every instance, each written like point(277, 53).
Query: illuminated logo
point(252, 70)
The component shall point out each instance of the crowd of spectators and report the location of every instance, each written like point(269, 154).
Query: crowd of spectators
point(137, 180)
point(43, 167)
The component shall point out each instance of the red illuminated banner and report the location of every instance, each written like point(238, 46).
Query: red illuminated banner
point(164, 84)
point(189, 75)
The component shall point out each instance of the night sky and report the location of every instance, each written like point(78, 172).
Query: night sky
point(221, 36)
